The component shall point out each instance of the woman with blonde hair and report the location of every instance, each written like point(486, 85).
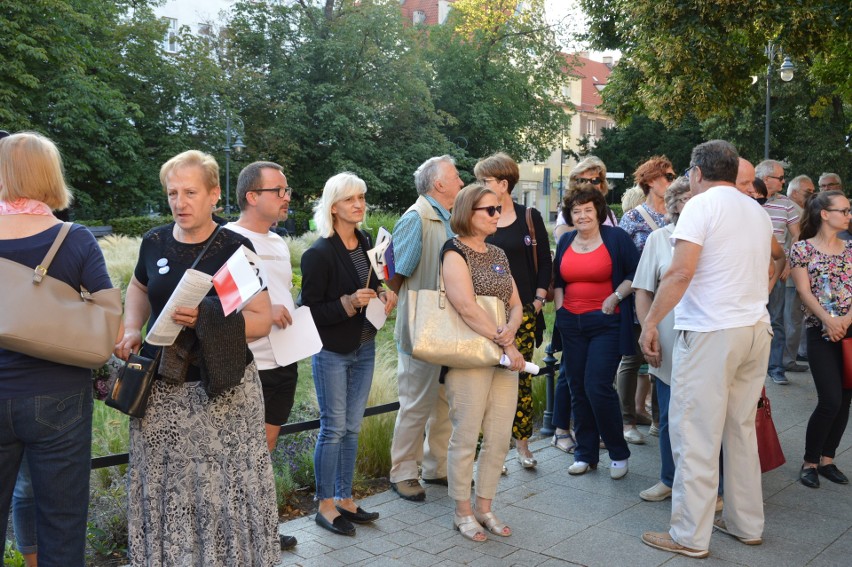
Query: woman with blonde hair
point(46, 415)
point(337, 284)
point(200, 484)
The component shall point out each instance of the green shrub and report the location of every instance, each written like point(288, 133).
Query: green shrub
point(11, 556)
point(301, 218)
point(374, 441)
point(616, 208)
point(136, 226)
point(376, 218)
point(120, 253)
point(96, 222)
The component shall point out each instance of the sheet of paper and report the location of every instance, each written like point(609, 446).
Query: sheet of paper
point(376, 313)
point(191, 289)
point(377, 254)
point(298, 340)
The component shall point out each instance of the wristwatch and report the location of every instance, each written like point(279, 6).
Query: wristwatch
point(619, 296)
point(542, 299)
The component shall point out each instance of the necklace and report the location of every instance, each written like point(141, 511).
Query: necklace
point(587, 245)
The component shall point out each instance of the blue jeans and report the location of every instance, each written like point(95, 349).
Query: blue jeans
point(779, 342)
point(23, 511)
point(667, 466)
point(342, 383)
point(592, 340)
point(55, 430)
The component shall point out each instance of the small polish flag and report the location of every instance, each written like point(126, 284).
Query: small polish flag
point(237, 281)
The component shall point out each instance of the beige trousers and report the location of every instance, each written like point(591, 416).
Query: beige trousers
point(422, 410)
point(481, 399)
point(716, 382)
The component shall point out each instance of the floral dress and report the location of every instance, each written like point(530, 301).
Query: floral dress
point(838, 267)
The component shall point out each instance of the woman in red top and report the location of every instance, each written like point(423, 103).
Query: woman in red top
point(593, 270)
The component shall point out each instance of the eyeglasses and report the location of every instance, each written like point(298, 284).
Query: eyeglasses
point(593, 180)
point(687, 170)
point(827, 185)
point(778, 177)
point(670, 177)
point(282, 191)
point(491, 210)
point(844, 212)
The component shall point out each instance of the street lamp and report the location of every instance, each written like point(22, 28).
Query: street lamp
point(786, 72)
point(238, 146)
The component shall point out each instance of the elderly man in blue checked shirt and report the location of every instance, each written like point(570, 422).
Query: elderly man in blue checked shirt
point(417, 240)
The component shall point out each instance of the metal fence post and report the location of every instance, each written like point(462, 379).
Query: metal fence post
point(550, 362)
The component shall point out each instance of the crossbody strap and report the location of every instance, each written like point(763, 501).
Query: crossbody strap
point(207, 244)
point(647, 217)
point(531, 230)
point(41, 270)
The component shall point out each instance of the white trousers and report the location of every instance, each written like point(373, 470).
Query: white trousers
point(716, 383)
point(422, 410)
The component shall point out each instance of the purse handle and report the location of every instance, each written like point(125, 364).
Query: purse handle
point(41, 270)
point(207, 244)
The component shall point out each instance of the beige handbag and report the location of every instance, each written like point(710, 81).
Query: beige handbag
point(46, 318)
point(440, 336)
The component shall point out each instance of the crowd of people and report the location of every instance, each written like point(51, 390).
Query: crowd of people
point(671, 317)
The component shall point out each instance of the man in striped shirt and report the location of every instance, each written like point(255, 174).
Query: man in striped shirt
point(785, 227)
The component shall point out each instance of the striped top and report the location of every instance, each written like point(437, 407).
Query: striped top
point(782, 213)
point(362, 266)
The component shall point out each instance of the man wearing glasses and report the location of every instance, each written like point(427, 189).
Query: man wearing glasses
point(830, 182)
point(264, 198)
point(785, 227)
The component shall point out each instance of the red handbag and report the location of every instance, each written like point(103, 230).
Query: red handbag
point(768, 447)
point(846, 345)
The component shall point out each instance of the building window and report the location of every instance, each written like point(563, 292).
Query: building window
point(443, 11)
point(170, 38)
point(591, 128)
point(418, 17)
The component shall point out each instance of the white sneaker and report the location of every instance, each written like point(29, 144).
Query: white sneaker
point(656, 493)
point(633, 435)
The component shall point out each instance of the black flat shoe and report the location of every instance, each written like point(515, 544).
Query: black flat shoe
point(340, 525)
point(287, 542)
point(809, 477)
point(359, 516)
point(832, 473)
point(439, 481)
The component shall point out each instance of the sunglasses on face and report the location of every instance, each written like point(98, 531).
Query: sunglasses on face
point(491, 210)
point(670, 177)
point(593, 181)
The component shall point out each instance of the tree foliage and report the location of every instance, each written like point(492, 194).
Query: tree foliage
point(696, 57)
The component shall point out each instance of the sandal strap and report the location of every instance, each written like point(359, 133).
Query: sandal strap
point(492, 523)
point(469, 527)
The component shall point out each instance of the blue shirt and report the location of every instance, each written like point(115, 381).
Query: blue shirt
point(408, 236)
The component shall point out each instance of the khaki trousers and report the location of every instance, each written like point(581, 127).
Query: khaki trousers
point(481, 399)
point(422, 410)
point(716, 382)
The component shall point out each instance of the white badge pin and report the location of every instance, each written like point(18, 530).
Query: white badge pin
point(162, 262)
point(164, 270)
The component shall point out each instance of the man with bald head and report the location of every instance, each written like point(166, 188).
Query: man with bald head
point(745, 178)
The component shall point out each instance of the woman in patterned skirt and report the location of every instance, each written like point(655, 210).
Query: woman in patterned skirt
point(200, 484)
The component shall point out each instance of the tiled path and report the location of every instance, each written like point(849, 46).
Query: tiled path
point(592, 520)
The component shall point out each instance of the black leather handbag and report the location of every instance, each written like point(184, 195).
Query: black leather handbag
point(133, 385)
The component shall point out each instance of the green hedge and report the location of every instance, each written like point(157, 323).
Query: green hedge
point(136, 226)
point(616, 208)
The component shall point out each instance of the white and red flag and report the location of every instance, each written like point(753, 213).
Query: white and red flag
point(239, 280)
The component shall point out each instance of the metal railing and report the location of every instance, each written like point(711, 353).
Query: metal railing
point(546, 429)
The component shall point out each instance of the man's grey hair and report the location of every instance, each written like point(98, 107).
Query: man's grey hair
point(767, 167)
point(828, 175)
point(427, 174)
point(795, 183)
point(718, 161)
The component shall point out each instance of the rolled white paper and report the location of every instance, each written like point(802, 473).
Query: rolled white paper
point(529, 367)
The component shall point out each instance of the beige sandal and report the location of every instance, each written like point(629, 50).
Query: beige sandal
point(469, 527)
point(492, 524)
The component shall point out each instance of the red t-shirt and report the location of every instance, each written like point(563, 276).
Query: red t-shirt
point(588, 279)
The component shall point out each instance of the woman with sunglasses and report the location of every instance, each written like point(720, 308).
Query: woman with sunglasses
point(590, 170)
point(654, 177)
point(521, 234)
point(822, 270)
point(593, 270)
point(480, 399)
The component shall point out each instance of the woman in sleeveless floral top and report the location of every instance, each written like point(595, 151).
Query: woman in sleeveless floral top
point(480, 399)
point(822, 270)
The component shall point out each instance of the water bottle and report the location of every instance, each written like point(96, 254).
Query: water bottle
point(827, 300)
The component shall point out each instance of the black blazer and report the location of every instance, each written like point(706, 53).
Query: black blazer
point(327, 275)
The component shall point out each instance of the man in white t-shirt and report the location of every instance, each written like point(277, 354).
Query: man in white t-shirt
point(719, 281)
point(264, 198)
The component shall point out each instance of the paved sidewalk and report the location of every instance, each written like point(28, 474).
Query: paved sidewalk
point(592, 520)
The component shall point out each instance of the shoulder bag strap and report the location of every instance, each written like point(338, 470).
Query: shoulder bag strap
point(647, 217)
point(207, 244)
point(531, 231)
point(41, 269)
